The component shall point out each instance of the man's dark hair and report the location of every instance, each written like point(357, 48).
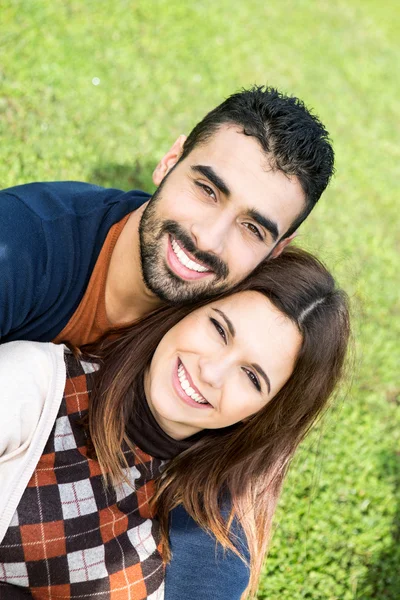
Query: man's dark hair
point(294, 140)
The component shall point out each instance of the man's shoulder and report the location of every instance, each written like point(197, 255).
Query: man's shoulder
point(51, 235)
point(56, 199)
point(227, 574)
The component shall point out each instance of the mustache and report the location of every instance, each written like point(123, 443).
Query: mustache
point(207, 259)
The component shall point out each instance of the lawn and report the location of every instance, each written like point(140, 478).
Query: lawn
point(97, 91)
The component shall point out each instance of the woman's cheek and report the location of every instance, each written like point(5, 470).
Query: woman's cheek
point(245, 405)
point(233, 402)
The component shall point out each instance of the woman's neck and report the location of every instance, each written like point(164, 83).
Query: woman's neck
point(146, 433)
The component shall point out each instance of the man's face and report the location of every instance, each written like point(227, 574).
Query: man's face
point(216, 215)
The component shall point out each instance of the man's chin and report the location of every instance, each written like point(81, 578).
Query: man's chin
point(174, 290)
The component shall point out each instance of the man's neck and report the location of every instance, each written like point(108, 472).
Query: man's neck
point(126, 297)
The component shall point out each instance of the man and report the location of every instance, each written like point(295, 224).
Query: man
point(76, 259)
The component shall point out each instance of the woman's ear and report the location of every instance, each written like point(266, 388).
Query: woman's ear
point(169, 160)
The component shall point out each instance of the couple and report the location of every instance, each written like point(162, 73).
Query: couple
point(158, 429)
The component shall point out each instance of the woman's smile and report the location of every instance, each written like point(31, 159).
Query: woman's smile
point(186, 389)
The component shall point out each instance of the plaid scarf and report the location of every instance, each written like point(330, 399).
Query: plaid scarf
point(71, 537)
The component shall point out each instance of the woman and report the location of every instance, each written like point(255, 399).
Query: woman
point(223, 391)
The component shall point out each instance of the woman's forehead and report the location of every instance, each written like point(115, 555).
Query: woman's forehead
point(244, 303)
point(253, 315)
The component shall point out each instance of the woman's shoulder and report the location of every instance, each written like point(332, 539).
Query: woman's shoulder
point(29, 355)
point(32, 374)
point(29, 367)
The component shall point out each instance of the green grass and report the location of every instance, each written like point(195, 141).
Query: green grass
point(161, 66)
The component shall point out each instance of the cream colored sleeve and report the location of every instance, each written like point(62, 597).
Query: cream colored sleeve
point(25, 373)
point(32, 381)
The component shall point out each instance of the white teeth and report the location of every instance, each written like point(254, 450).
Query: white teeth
point(185, 260)
point(194, 266)
point(187, 388)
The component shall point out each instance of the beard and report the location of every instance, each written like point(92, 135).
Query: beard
point(158, 277)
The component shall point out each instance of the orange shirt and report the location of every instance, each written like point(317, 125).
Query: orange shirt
point(90, 321)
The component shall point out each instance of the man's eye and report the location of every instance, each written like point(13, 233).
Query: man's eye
point(220, 329)
point(253, 229)
point(207, 190)
point(253, 378)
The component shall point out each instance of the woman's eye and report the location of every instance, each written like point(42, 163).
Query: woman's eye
point(253, 378)
point(220, 329)
point(253, 229)
point(207, 190)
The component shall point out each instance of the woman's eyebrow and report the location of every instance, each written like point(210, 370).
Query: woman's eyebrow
point(228, 322)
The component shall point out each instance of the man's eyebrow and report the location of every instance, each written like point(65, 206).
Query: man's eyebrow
point(228, 322)
point(213, 177)
point(265, 222)
point(254, 214)
point(263, 374)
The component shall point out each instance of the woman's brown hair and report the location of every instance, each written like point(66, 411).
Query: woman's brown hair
point(242, 473)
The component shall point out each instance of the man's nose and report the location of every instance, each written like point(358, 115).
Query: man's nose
point(211, 235)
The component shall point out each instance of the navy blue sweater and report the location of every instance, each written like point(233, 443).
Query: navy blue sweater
point(50, 237)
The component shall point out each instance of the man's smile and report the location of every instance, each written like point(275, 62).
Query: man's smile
point(182, 263)
point(185, 258)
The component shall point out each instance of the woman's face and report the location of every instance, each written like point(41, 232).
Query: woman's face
point(220, 364)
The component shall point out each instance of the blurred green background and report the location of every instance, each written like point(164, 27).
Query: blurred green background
point(98, 91)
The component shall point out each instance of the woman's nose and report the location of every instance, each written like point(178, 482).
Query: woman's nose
point(214, 370)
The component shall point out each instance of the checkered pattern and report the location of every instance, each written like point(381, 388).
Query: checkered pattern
point(71, 537)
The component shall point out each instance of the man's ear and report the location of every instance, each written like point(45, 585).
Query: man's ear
point(168, 160)
point(282, 244)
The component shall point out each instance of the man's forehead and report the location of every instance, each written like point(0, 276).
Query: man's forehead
point(229, 145)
